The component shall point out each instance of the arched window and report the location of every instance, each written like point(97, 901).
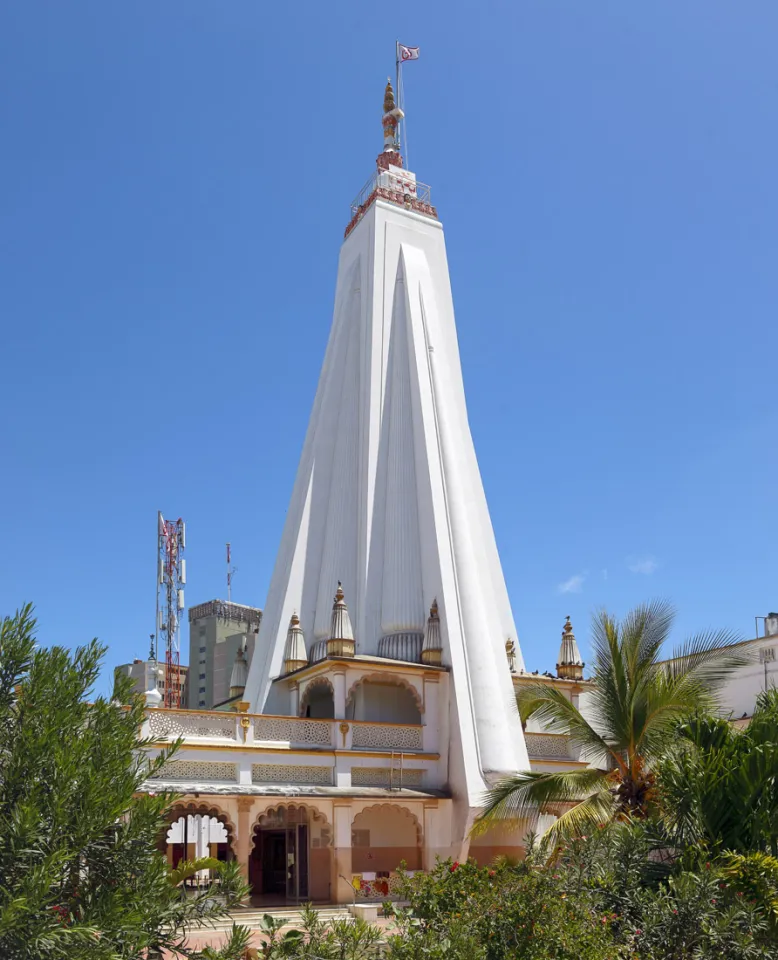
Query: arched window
point(383, 702)
point(318, 701)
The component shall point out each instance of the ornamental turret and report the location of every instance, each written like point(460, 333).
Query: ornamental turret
point(240, 671)
point(432, 648)
point(295, 655)
point(570, 666)
point(341, 639)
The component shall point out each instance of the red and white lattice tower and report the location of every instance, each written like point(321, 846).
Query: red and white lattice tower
point(171, 577)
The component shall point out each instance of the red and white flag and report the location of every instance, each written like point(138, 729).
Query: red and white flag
point(407, 53)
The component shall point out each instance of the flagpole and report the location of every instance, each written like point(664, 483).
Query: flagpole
point(397, 85)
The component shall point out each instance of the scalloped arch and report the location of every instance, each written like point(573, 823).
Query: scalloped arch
point(183, 808)
point(381, 808)
point(315, 683)
point(312, 811)
point(390, 680)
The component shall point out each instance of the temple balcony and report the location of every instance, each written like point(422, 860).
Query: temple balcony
point(257, 753)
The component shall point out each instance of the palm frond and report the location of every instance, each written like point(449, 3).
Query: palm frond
point(556, 714)
point(588, 815)
point(708, 659)
point(646, 629)
point(522, 797)
point(186, 869)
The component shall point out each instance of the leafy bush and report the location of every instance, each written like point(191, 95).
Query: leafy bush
point(316, 940)
point(521, 912)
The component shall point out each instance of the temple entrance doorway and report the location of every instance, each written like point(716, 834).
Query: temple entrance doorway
point(279, 866)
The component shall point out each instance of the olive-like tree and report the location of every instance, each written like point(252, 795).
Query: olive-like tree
point(80, 872)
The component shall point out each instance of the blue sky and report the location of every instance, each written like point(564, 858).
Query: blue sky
point(176, 183)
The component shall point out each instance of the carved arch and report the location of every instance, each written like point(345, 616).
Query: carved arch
point(380, 808)
point(317, 682)
point(386, 679)
point(185, 808)
point(313, 813)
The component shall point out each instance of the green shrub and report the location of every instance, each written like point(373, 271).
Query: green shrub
point(504, 912)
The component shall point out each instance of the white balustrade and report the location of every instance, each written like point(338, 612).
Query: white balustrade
point(550, 745)
point(171, 724)
point(293, 730)
point(386, 736)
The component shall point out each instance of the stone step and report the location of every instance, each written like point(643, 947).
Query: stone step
point(292, 917)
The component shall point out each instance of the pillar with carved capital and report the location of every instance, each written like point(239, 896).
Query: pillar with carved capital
point(341, 853)
point(243, 839)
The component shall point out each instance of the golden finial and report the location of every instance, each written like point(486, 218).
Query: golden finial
point(568, 628)
point(388, 97)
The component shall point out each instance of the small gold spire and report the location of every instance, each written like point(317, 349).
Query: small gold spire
point(389, 103)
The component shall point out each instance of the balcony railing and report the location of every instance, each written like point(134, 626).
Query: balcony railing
point(386, 736)
point(303, 732)
point(548, 746)
point(395, 188)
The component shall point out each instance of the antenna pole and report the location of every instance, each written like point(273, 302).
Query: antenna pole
point(229, 577)
point(159, 574)
point(171, 577)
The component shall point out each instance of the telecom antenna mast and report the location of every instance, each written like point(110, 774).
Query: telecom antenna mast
point(231, 571)
point(171, 577)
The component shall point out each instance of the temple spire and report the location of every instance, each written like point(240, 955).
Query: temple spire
point(295, 654)
point(570, 666)
point(240, 672)
point(341, 638)
point(432, 648)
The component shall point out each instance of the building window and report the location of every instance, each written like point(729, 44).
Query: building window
point(202, 649)
point(201, 690)
point(202, 676)
point(767, 654)
point(201, 703)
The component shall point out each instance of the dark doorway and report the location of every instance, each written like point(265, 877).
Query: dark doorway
point(278, 867)
point(273, 858)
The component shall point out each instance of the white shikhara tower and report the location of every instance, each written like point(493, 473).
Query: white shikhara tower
point(388, 497)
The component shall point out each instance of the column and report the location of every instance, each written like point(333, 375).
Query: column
point(243, 839)
point(430, 838)
point(430, 734)
point(295, 700)
point(341, 888)
point(339, 694)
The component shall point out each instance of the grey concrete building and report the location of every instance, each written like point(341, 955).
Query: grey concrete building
point(142, 672)
point(216, 631)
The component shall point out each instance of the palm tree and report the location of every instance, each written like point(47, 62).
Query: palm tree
point(629, 720)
